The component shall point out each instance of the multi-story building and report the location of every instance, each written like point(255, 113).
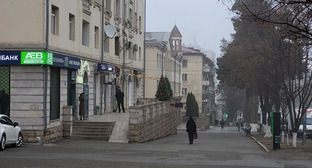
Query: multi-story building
point(51, 51)
point(192, 74)
point(209, 105)
point(163, 57)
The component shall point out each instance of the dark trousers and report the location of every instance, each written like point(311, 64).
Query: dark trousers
point(191, 137)
point(122, 105)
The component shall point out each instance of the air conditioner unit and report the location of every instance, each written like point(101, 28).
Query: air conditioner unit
point(135, 47)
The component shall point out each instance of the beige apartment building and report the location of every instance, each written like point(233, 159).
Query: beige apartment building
point(52, 50)
point(163, 57)
point(192, 74)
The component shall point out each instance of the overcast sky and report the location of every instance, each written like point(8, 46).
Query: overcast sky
point(205, 22)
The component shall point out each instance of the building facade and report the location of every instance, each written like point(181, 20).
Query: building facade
point(59, 49)
point(209, 103)
point(163, 57)
point(192, 74)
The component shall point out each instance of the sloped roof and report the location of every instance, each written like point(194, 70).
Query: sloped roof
point(175, 32)
point(190, 50)
point(157, 36)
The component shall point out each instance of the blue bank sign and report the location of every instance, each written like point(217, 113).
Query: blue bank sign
point(10, 57)
point(66, 62)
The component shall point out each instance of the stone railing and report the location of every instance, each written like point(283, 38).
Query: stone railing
point(152, 121)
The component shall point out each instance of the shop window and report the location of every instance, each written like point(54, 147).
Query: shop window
point(54, 93)
point(5, 90)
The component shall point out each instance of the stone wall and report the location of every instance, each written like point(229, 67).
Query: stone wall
point(152, 121)
point(52, 135)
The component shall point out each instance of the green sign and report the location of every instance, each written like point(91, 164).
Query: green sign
point(37, 57)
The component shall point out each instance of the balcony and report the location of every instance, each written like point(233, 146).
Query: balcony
point(205, 97)
point(206, 83)
point(206, 69)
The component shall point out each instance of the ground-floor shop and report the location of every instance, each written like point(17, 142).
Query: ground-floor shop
point(37, 88)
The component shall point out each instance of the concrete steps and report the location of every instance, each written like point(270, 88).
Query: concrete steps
point(92, 130)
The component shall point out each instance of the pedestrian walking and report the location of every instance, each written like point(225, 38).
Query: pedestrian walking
point(222, 123)
point(239, 124)
point(191, 129)
point(81, 106)
point(120, 99)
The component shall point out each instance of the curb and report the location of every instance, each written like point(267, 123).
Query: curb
point(265, 148)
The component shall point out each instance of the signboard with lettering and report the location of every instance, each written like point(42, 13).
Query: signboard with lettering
point(66, 62)
point(105, 67)
point(36, 57)
point(10, 57)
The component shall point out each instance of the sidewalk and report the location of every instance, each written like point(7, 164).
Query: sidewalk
point(267, 144)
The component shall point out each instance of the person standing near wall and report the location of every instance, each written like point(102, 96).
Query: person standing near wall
point(191, 129)
point(120, 99)
point(81, 106)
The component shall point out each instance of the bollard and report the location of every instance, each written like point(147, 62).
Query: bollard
point(294, 140)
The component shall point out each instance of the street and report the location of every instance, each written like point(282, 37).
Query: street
point(215, 147)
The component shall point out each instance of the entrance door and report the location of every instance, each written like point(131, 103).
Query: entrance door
point(5, 90)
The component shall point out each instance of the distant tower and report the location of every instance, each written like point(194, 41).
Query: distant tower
point(176, 39)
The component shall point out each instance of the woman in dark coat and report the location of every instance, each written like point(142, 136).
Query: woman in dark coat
point(81, 106)
point(191, 129)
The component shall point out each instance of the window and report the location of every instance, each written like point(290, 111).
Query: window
point(117, 46)
point(71, 27)
point(184, 91)
point(140, 54)
point(184, 63)
point(159, 61)
point(117, 8)
point(96, 37)
point(130, 17)
point(135, 21)
point(55, 20)
point(140, 24)
point(85, 33)
point(108, 5)
point(134, 55)
point(184, 77)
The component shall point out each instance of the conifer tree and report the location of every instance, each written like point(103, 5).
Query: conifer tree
point(164, 91)
point(192, 109)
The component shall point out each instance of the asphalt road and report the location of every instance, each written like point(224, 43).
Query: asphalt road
point(215, 147)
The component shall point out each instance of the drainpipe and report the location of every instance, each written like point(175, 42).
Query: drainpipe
point(45, 90)
point(102, 60)
point(124, 45)
point(144, 51)
point(174, 76)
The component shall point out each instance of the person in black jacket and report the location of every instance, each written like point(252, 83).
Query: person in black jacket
point(120, 99)
point(191, 129)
